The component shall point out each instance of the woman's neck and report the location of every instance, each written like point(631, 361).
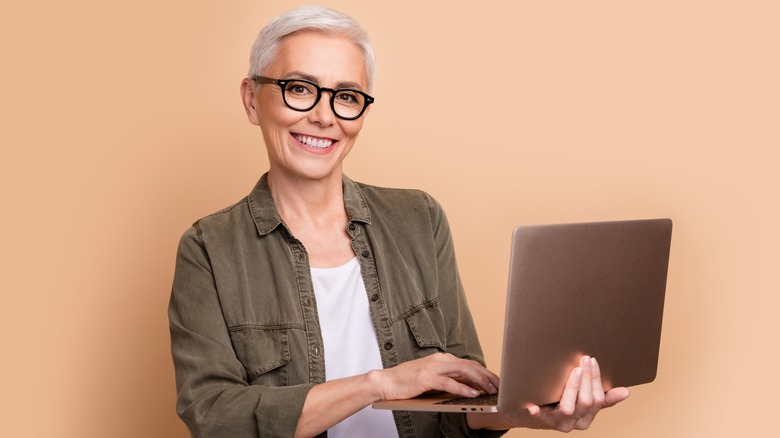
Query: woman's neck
point(314, 213)
point(304, 201)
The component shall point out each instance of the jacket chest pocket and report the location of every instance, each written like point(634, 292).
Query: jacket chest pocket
point(426, 327)
point(264, 354)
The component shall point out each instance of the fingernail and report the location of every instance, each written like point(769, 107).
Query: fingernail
point(474, 392)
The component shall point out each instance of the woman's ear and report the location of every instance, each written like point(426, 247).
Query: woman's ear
point(249, 98)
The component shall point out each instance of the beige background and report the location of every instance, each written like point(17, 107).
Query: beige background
point(121, 124)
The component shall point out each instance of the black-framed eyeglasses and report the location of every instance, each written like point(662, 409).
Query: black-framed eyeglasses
point(303, 95)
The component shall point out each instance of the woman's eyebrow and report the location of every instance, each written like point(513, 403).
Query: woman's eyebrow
point(349, 84)
point(301, 75)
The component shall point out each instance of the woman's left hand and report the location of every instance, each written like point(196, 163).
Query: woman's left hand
point(583, 397)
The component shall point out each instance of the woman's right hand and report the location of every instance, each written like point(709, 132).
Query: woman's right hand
point(437, 372)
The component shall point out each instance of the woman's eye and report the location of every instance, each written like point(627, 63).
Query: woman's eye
point(347, 97)
point(298, 89)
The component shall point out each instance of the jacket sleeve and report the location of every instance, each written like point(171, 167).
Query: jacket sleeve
point(461, 336)
point(214, 398)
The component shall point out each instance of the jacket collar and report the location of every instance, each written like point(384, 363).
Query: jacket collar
point(267, 218)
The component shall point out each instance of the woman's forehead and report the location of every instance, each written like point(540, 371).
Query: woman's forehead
point(329, 58)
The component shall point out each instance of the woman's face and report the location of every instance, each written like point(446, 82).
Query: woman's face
point(312, 144)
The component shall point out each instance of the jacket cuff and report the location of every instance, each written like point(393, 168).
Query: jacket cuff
point(279, 409)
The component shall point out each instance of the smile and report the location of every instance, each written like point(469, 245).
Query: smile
point(314, 142)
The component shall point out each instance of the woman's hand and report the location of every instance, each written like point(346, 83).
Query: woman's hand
point(437, 372)
point(583, 397)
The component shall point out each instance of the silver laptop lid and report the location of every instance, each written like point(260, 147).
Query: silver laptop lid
point(589, 288)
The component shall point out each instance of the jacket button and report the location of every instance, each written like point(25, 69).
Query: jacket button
point(366, 253)
point(352, 227)
point(388, 346)
point(374, 297)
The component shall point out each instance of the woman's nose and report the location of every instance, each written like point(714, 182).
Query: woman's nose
point(322, 113)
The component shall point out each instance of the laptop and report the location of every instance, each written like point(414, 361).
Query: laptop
point(579, 289)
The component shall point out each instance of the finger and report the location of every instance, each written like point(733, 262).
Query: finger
point(586, 408)
point(473, 374)
point(569, 396)
point(480, 381)
point(492, 381)
point(585, 394)
point(453, 386)
point(598, 387)
point(465, 377)
point(616, 395)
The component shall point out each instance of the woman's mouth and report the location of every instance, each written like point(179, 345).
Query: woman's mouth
point(314, 142)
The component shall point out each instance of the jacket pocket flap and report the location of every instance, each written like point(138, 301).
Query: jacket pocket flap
point(260, 350)
point(427, 327)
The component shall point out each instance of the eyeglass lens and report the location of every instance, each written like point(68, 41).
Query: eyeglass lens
point(302, 96)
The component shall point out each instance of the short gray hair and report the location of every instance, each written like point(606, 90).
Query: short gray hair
point(309, 18)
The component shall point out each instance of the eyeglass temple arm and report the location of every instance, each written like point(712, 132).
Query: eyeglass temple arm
point(264, 80)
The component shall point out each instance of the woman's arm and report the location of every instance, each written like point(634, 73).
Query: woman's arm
point(331, 402)
point(214, 397)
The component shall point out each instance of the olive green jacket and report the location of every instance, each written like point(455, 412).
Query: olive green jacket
point(245, 334)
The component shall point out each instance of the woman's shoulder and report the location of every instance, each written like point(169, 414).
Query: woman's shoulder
point(397, 195)
point(229, 213)
point(221, 221)
point(403, 204)
point(394, 193)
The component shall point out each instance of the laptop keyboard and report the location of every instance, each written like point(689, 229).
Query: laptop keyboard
point(481, 400)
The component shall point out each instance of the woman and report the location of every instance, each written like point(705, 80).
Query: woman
point(296, 308)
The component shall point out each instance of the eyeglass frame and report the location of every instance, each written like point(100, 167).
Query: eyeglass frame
point(282, 83)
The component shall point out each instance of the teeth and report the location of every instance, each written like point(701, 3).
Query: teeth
point(313, 141)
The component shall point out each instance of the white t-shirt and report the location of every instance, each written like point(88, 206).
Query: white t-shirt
point(350, 343)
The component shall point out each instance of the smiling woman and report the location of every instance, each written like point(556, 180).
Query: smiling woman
point(296, 308)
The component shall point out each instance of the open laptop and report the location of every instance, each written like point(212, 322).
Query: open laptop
point(574, 289)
